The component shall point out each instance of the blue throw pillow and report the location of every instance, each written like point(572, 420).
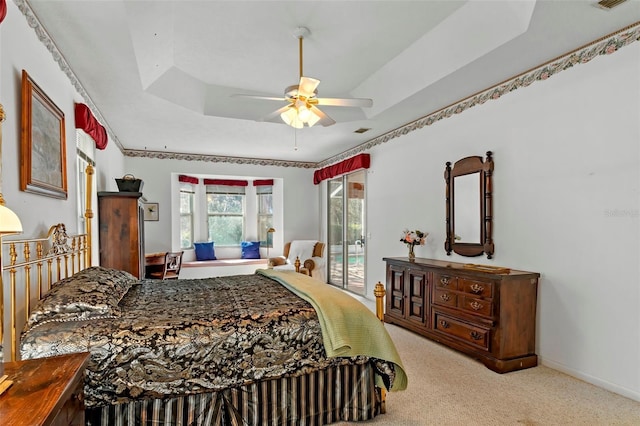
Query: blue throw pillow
point(205, 251)
point(250, 249)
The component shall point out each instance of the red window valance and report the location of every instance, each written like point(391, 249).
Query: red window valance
point(188, 179)
point(263, 182)
point(87, 122)
point(3, 10)
point(360, 161)
point(228, 182)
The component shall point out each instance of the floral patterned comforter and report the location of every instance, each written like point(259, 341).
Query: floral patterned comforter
point(190, 336)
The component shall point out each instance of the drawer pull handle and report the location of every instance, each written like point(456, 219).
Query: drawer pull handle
point(476, 306)
point(444, 324)
point(445, 281)
point(475, 335)
point(476, 288)
point(445, 297)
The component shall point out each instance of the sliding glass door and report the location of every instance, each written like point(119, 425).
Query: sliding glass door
point(347, 232)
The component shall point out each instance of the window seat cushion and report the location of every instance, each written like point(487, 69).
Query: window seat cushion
point(223, 262)
point(220, 267)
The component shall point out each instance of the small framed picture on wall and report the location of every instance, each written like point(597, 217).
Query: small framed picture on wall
point(151, 211)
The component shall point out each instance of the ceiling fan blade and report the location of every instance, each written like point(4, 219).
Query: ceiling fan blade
point(264, 98)
point(307, 86)
point(275, 113)
point(348, 102)
point(325, 120)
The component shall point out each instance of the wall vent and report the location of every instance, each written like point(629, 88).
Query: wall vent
point(361, 130)
point(609, 4)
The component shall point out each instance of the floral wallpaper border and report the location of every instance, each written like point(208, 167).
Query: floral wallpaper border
point(217, 159)
point(604, 46)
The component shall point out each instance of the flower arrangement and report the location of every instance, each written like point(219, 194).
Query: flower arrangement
point(412, 239)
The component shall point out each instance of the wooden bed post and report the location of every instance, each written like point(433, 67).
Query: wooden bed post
point(379, 293)
point(88, 214)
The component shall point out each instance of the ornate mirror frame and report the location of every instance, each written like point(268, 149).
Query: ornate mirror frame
point(467, 166)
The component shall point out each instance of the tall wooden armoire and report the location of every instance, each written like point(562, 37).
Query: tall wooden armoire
point(121, 222)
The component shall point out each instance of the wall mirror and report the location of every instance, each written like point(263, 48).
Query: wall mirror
point(469, 206)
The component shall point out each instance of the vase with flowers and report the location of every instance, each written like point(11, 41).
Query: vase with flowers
point(412, 239)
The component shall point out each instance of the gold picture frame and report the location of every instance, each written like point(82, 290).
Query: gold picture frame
point(151, 211)
point(43, 157)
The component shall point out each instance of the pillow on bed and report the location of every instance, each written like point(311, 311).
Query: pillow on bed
point(250, 249)
point(205, 251)
point(92, 293)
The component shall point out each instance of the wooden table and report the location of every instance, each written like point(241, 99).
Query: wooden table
point(45, 391)
point(153, 262)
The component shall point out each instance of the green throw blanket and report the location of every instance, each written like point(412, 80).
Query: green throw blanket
point(348, 327)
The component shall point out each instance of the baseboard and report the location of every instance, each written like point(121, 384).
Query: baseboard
point(628, 393)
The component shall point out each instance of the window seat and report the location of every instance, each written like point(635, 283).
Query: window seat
point(220, 267)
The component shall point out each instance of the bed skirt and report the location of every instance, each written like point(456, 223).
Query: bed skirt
point(342, 393)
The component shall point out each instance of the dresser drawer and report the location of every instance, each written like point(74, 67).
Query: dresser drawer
point(477, 288)
point(460, 330)
point(444, 281)
point(445, 298)
point(477, 306)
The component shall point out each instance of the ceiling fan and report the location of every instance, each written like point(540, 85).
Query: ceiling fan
point(302, 99)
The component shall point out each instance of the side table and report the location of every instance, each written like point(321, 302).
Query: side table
point(45, 391)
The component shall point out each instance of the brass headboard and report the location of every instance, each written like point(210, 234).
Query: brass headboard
point(33, 265)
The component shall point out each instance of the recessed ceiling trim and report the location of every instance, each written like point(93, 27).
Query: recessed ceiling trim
point(603, 46)
point(409, 78)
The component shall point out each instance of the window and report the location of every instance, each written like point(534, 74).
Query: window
point(84, 153)
point(225, 210)
point(225, 214)
point(186, 215)
point(264, 194)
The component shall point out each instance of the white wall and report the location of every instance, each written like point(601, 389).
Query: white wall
point(566, 204)
point(20, 49)
point(301, 202)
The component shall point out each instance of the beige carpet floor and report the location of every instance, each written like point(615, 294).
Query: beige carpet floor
point(449, 388)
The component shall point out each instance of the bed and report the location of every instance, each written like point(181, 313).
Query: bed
point(267, 348)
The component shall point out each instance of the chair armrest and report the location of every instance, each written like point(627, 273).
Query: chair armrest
point(314, 263)
point(277, 261)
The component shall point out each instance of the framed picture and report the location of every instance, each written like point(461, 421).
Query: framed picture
point(150, 211)
point(43, 156)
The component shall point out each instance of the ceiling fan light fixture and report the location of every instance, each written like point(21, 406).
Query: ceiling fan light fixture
point(304, 113)
point(303, 98)
point(299, 116)
point(290, 117)
point(313, 119)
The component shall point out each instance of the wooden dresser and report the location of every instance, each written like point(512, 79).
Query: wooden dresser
point(489, 316)
point(121, 224)
point(46, 391)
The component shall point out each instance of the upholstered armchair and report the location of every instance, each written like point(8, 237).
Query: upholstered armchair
point(309, 253)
